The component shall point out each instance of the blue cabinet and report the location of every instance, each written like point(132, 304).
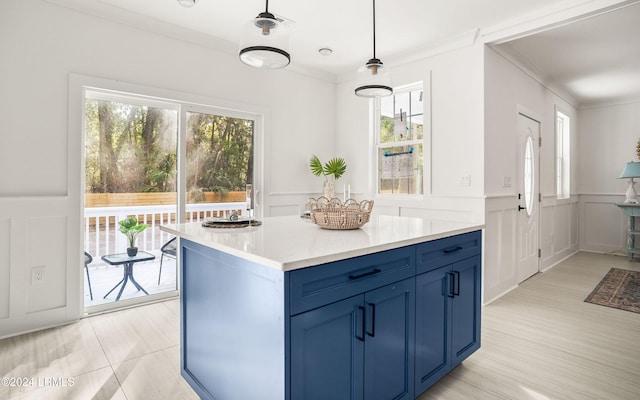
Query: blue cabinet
point(357, 348)
point(328, 360)
point(376, 327)
point(447, 307)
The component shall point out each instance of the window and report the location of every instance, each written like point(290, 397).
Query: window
point(563, 155)
point(400, 141)
point(528, 174)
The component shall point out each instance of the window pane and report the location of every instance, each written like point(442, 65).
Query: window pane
point(563, 156)
point(416, 115)
point(528, 176)
point(400, 170)
point(130, 170)
point(219, 158)
point(400, 148)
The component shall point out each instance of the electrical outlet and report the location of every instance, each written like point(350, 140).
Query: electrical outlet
point(465, 180)
point(37, 275)
point(507, 181)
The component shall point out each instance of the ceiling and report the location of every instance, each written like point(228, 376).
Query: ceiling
point(595, 60)
point(587, 59)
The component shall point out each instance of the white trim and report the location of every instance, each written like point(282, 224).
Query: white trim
point(559, 14)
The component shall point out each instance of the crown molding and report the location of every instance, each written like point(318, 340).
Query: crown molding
point(562, 13)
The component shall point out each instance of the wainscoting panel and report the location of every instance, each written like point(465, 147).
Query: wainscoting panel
point(47, 250)
point(602, 224)
point(558, 230)
point(500, 243)
point(41, 232)
point(5, 265)
point(452, 215)
point(558, 239)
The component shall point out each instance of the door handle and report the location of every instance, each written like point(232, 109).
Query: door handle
point(451, 293)
point(360, 318)
point(372, 332)
point(456, 291)
point(520, 208)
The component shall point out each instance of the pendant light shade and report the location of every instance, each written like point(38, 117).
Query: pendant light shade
point(265, 42)
point(373, 79)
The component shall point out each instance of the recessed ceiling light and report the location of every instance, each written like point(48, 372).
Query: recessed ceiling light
point(325, 51)
point(187, 3)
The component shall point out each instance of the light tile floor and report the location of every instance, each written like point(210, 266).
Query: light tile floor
point(128, 354)
point(539, 342)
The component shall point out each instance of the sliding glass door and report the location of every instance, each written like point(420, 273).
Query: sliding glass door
point(140, 152)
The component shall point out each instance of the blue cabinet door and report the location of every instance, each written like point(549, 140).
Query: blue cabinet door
point(432, 329)
point(465, 313)
point(389, 342)
point(327, 352)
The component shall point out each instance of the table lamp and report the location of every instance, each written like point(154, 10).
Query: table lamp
point(631, 170)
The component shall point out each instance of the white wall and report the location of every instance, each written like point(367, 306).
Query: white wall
point(508, 88)
point(608, 137)
point(453, 127)
point(40, 193)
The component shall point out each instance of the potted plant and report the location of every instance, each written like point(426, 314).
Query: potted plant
point(335, 168)
point(131, 229)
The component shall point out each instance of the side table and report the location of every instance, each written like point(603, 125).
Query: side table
point(631, 211)
point(127, 261)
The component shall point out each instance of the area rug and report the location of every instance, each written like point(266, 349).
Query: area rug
point(620, 288)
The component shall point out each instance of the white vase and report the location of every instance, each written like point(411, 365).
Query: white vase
point(329, 188)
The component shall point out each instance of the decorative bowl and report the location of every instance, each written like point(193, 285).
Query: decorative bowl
point(332, 214)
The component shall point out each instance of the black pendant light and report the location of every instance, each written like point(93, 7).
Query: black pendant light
point(265, 42)
point(373, 79)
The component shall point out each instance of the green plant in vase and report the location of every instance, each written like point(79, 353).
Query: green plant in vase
point(332, 170)
point(131, 229)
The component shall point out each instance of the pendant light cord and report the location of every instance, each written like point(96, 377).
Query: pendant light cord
point(374, 29)
point(266, 8)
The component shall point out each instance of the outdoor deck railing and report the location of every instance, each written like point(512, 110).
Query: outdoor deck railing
point(101, 234)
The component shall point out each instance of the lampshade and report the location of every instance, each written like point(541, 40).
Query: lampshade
point(265, 42)
point(373, 79)
point(631, 170)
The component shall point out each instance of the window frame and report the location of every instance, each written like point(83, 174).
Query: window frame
point(424, 86)
point(562, 153)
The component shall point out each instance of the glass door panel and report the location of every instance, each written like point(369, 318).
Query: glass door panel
point(219, 165)
point(130, 170)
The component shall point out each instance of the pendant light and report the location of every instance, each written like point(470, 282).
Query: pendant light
point(265, 43)
point(373, 79)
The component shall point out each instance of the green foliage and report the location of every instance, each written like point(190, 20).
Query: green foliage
point(131, 229)
point(316, 166)
point(132, 149)
point(335, 167)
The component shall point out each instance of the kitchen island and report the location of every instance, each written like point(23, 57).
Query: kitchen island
point(287, 310)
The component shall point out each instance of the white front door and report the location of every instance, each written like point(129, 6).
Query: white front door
point(528, 191)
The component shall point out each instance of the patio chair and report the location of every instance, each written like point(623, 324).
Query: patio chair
point(87, 260)
point(169, 249)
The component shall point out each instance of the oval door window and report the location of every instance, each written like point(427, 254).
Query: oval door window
point(528, 175)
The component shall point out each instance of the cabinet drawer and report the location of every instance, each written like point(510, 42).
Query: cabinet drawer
point(323, 284)
point(435, 254)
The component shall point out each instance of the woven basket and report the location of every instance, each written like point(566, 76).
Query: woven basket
point(332, 214)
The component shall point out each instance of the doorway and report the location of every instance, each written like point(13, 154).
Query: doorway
point(158, 161)
point(527, 220)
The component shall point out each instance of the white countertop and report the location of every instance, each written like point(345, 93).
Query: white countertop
point(288, 243)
